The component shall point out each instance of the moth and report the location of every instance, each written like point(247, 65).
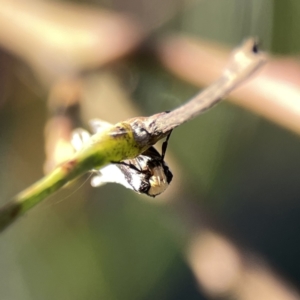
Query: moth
point(146, 174)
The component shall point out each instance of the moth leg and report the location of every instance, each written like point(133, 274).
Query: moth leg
point(164, 146)
point(131, 166)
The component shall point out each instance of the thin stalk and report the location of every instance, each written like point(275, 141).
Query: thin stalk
point(115, 144)
point(132, 137)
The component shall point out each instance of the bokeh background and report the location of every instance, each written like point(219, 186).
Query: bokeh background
point(228, 226)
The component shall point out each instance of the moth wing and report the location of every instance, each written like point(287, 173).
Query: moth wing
point(110, 173)
point(97, 180)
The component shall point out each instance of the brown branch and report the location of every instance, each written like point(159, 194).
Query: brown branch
point(273, 94)
point(243, 63)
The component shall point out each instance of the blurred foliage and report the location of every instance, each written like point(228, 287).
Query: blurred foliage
point(109, 243)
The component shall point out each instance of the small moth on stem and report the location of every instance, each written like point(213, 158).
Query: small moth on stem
point(146, 174)
point(131, 138)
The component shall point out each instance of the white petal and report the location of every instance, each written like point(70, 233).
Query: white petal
point(79, 138)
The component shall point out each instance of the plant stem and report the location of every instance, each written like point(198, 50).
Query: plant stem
point(132, 137)
point(115, 144)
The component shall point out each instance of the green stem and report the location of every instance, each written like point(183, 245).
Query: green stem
point(115, 144)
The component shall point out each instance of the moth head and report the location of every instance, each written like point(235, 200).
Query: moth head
point(158, 179)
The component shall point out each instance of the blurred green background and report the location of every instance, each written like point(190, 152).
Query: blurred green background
point(109, 243)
